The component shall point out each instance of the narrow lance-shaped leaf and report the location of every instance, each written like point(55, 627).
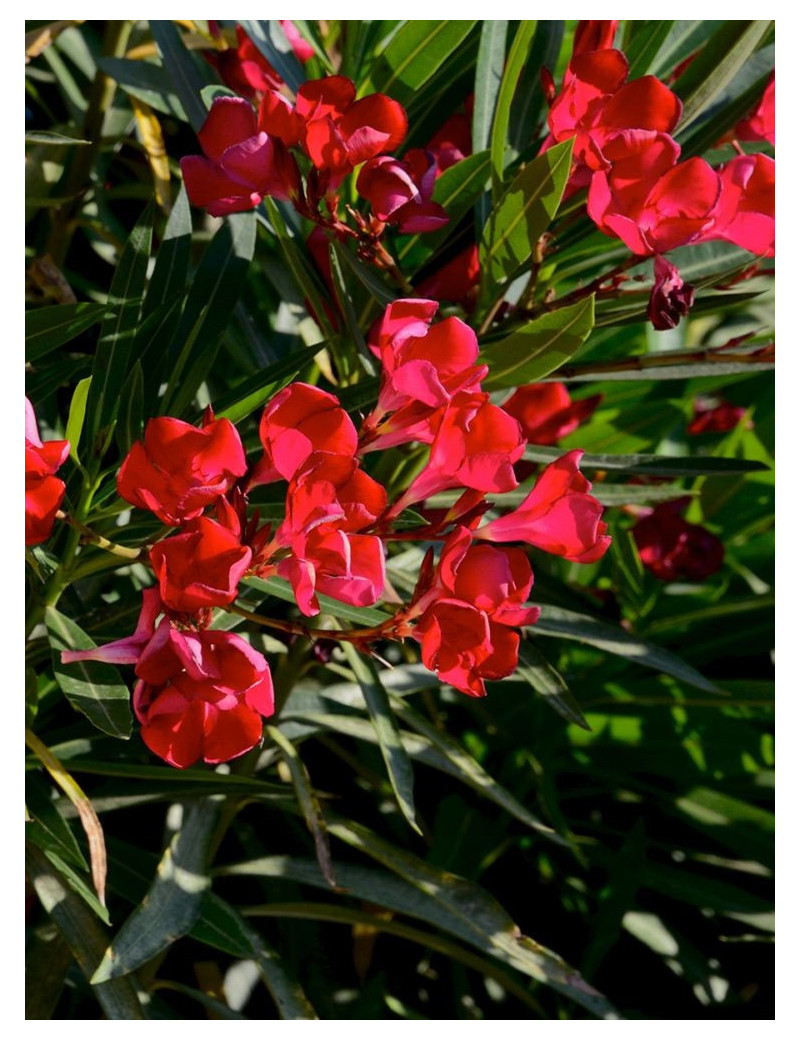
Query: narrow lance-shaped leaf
point(645, 44)
point(222, 927)
point(517, 56)
point(83, 933)
point(169, 273)
point(521, 216)
point(652, 465)
point(398, 766)
point(539, 347)
point(569, 624)
point(308, 800)
point(715, 66)
point(92, 687)
point(415, 52)
point(188, 75)
point(48, 328)
point(467, 769)
point(271, 40)
point(174, 901)
point(77, 415)
point(147, 82)
point(549, 683)
point(488, 85)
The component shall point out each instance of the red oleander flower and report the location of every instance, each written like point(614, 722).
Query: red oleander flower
point(670, 298)
point(200, 567)
point(673, 549)
point(241, 165)
point(423, 365)
point(559, 515)
point(475, 446)
point(759, 125)
point(44, 492)
point(647, 199)
point(299, 421)
point(244, 68)
point(546, 412)
point(201, 695)
point(594, 36)
point(178, 469)
point(457, 280)
point(452, 142)
point(399, 191)
point(348, 567)
point(745, 211)
point(715, 417)
point(337, 132)
point(303, 50)
point(596, 104)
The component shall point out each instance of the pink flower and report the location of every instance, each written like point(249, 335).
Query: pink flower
point(594, 36)
point(241, 165)
point(671, 548)
point(201, 695)
point(649, 201)
point(456, 280)
point(475, 446)
point(424, 365)
point(348, 567)
point(546, 413)
point(559, 515)
point(44, 492)
point(596, 104)
point(400, 191)
point(178, 469)
point(745, 211)
point(244, 68)
point(715, 418)
point(299, 421)
point(200, 567)
point(303, 50)
point(476, 597)
point(337, 132)
point(452, 142)
point(759, 125)
point(671, 298)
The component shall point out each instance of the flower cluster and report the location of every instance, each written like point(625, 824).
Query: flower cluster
point(639, 191)
point(200, 692)
point(44, 492)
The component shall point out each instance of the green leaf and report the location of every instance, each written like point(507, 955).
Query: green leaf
point(645, 43)
point(529, 99)
point(77, 415)
point(568, 624)
point(92, 687)
point(488, 78)
point(254, 391)
point(169, 273)
point(415, 52)
point(215, 289)
point(308, 800)
point(83, 934)
point(482, 921)
point(466, 769)
point(521, 216)
point(724, 53)
point(517, 57)
point(222, 927)
point(549, 683)
point(51, 137)
point(112, 358)
point(271, 40)
point(539, 347)
point(210, 93)
point(311, 34)
point(187, 74)
point(173, 904)
point(48, 829)
point(129, 428)
point(380, 292)
point(653, 465)
point(146, 82)
point(398, 766)
point(47, 328)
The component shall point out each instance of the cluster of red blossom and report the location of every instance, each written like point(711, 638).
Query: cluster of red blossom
point(200, 691)
point(638, 190)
